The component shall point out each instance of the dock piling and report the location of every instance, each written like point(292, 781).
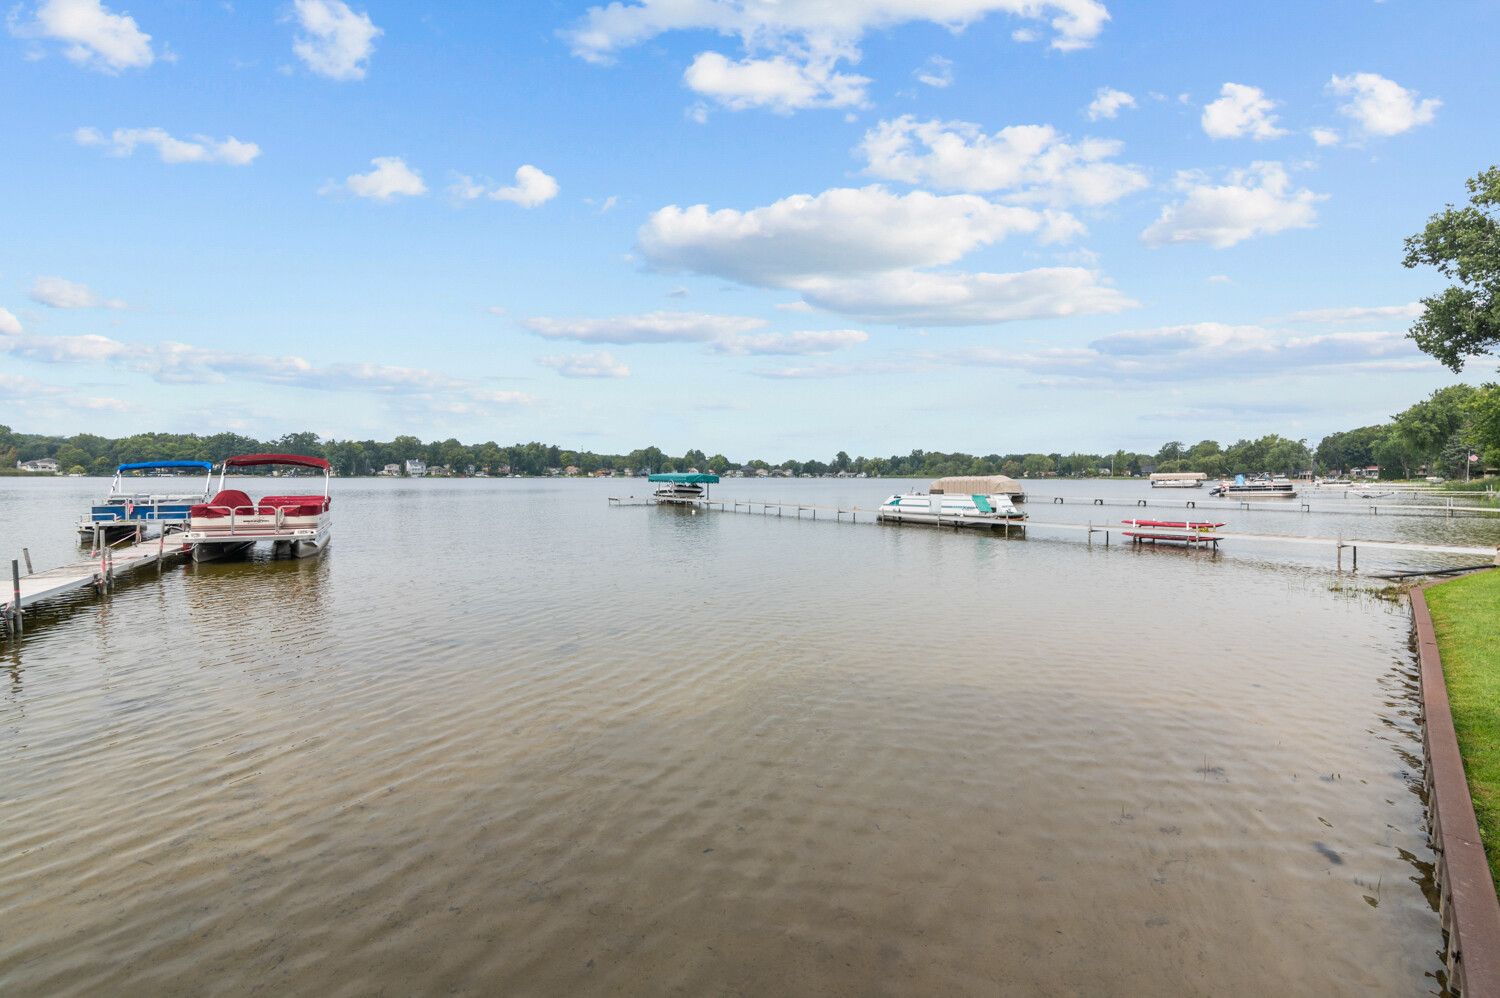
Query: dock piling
point(16, 612)
point(26, 553)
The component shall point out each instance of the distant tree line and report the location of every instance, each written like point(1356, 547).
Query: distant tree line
point(1433, 436)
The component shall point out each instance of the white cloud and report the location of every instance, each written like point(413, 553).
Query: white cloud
point(862, 251)
point(1240, 111)
point(803, 343)
point(1220, 279)
point(778, 83)
point(1352, 313)
point(9, 324)
point(917, 298)
point(1108, 102)
point(1200, 352)
point(335, 41)
point(1381, 107)
point(1325, 136)
point(810, 372)
point(1035, 161)
point(181, 363)
point(586, 365)
point(390, 178)
point(795, 306)
point(815, 24)
point(793, 48)
point(650, 327)
point(840, 231)
point(200, 149)
point(58, 292)
point(936, 72)
point(92, 34)
point(1257, 201)
point(532, 188)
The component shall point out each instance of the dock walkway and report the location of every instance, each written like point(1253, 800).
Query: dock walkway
point(28, 588)
point(851, 514)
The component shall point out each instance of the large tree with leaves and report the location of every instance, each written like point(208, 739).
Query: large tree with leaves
point(1464, 245)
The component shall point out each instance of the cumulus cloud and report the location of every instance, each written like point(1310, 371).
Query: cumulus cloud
point(200, 149)
point(91, 34)
point(919, 298)
point(793, 48)
point(334, 41)
point(1241, 111)
point(813, 372)
point(1359, 313)
point(863, 252)
point(1257, 201)
point(840, 231)
point(1201, 351)
point(391, 178)
point(1108, 102)
point(58, 292)
point(605, 30)
point(778, 83)
point(532, 188)
point(183, 363)
point(586, 365)
point(1380, 107)
point(650, 327)
point(1034, 161)
point(936, 72)
point(9, 324)
point(1325, 136)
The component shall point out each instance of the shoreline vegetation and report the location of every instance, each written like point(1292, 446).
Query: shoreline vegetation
point(1464, 614)
point(1453, 431)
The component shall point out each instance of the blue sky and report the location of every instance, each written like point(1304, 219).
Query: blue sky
point(770, 229)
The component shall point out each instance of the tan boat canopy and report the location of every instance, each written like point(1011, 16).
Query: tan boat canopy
point(1179, 476)
point(977, 485)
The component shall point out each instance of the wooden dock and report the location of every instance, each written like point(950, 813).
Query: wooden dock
point(27, 588)
point(1091, 530)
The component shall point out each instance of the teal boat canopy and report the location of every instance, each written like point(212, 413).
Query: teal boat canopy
point(682, 478)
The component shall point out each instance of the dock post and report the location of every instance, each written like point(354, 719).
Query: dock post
point(26, 553)
point(15, 597)
point(1355, 549)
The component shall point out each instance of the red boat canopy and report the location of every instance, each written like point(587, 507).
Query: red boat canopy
point(251, 460)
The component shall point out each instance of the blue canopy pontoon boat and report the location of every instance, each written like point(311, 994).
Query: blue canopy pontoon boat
point(125, 509)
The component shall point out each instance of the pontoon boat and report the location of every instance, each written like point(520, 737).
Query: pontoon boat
point(231, 522)
point(1263, 487)
point(127, 509)
point(969, 501)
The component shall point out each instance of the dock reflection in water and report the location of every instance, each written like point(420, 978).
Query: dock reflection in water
point(502, 739)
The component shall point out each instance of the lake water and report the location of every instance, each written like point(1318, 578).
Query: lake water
point(504, 739)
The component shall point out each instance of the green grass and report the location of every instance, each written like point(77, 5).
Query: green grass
point(1466, 616)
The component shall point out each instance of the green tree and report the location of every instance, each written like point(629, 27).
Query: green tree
point(1464, 245)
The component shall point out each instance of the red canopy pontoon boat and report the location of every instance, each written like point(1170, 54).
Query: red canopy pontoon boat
point(231, 522)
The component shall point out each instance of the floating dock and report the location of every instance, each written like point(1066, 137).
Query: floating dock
point(26, 588)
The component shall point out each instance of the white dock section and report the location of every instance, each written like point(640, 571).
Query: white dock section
point(851, 514)
point(21, 591)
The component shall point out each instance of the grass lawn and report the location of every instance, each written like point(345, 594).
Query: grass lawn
point(1466, 616)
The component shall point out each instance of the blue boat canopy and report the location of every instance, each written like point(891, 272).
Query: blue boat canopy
point(143, 465)
point(682, 478)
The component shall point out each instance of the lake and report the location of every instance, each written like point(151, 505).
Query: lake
point(503, 738)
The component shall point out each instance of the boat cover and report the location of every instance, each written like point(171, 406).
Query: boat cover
point(144, 465)
point(300, 460)
point(683, 478)
point(976, 485)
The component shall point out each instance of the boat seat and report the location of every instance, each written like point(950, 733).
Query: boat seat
point(298, 505)
point(232, 498)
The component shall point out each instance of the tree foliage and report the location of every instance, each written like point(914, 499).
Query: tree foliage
point(1464, 245)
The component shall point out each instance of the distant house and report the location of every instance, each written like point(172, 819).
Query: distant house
point(782, 473)
point(604, 473)
point(390, 471)
point(1373, 471)
point(571, 470)
point(41, 466)
point(762, 473)
point(416, 468)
